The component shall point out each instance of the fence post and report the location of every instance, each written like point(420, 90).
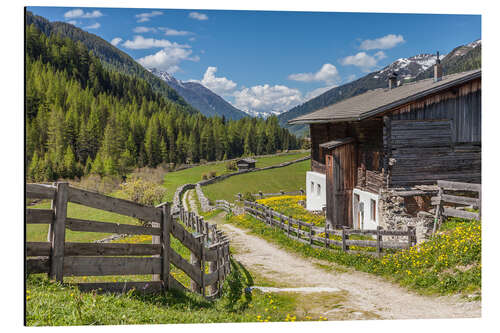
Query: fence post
point(165, 245)
point(239, 196)
point(261, 194)
point(301, 191)
point(410, 236)
point(437, 216)
point(282, 192)
point(310, 234)
point(379, 241)
point(58, 233)
point(327, 237)
point(289, 222)
point(52, 207)
point(345, 237)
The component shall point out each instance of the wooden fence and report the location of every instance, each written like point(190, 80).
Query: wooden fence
point(261, 195)
point(453, 195)
point(59, 258)
point(321, 237)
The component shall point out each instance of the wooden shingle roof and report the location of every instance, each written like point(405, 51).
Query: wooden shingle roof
point(379, 100)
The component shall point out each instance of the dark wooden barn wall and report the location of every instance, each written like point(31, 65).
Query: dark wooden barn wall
point(424, 152)
point(460, 104)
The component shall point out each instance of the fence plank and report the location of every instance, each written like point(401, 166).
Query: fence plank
point(192, 271)
point(121, 287)
point(98, 266)
point(39, 265)
point(115, 205)
point(111, 249)
point(109, 227)
point(59, 232)
point(460, 213)
point(40, 191)
point(39, 216)
point(37, 249)
point(185, 237)
point(458, 186)
point(459, 200)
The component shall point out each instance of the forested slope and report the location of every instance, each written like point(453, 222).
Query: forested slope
point(84, 117)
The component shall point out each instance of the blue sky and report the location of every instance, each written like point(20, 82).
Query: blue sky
point(269, 61)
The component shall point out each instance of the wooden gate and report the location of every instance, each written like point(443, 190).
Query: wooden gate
point(341, 171)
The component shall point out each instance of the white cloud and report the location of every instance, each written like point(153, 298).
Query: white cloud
point(96, 25)
point(79, 13)
point(198, 16)
point(140, 30)
point(74, 22)
point(328, 73)
point(140, 42)
point(266, 98)
point(219, 85)
point(192, 39)
point(380, 55)
point(318, 91)
point(386, 42)
point(362, 60)
point(173, 32)
point(115, 41)
point(168, 58)
point(144, 17)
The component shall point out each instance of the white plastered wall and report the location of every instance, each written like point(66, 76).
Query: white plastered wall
point(315, 190)
point(367, 222)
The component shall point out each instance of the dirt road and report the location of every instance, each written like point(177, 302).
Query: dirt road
point(355, 295)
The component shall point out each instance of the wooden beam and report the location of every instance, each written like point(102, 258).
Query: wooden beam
point(460, 213)
point(40, 191)
point(98, 266)
point(115, 205)
point(39, 265)
point(109, 227)
point(457, 186)
point(39, 216)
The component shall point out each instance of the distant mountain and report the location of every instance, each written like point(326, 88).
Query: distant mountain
point(200, 97)
point(109, 55)
point(462, 58)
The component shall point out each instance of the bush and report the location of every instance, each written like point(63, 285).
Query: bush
point(204, 176)
point(143, 192)
point(231, 166)
point(212, 174)
point(248, 196)
point(96, 183)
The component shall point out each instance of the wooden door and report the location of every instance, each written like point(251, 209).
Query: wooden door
point(341, 172)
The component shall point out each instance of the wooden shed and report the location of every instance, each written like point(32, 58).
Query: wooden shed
point(395, 138)
point(246, 164)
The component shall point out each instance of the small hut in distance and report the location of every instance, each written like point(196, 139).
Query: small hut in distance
point(246, 164)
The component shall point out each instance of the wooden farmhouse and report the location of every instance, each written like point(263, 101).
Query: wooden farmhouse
point(246, 164)
point(393, 140)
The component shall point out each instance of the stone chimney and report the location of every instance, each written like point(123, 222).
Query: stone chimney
point(438, 69)
point(393, 80)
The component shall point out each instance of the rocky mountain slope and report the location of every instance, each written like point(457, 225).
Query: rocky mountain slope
point(200, 97)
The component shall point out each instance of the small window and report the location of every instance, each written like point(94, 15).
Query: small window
point(319, 189)
point(312, 187)
point(373, 210)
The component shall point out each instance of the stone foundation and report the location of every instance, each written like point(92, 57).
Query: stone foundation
point(398, 212)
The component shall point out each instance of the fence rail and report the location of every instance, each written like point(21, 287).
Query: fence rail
point(59, 258)
point(321, 237)
point(453, 195)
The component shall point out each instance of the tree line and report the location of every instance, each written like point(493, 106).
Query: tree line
point(82, 118)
